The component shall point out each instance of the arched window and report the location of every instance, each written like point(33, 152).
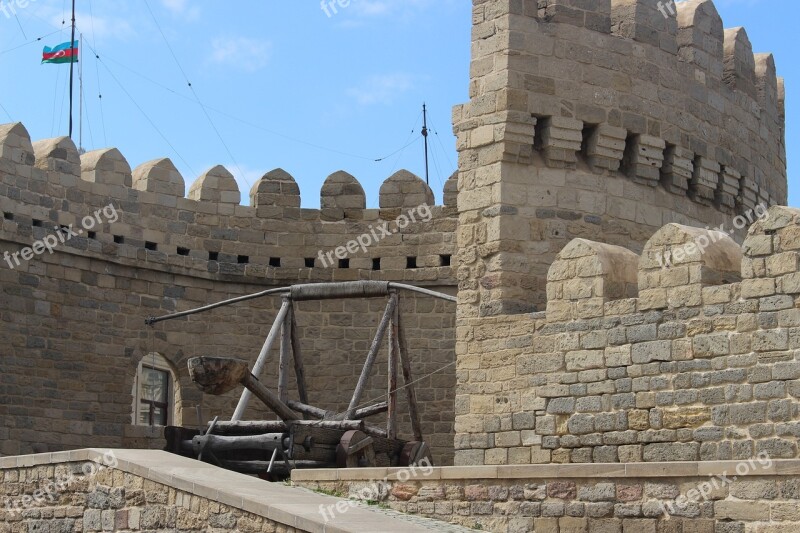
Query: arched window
point(154, 391)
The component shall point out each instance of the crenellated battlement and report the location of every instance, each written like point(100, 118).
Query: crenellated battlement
point(623, 114)
point(632, 73)
point(680, 267)
point(688, 351)
point(47, 184)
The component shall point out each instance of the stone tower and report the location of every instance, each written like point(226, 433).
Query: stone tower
point(604, 119)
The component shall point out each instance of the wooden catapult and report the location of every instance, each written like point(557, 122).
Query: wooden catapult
point(306, 436)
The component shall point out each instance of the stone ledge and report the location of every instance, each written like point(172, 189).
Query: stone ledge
point(294, 507)
point(788, 467)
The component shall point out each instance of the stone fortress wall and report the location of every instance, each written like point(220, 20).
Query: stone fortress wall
point(598, 137)
point(73, 328)
point(604, 120)
point(696, 366)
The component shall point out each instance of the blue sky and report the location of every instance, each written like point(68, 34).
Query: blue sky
point(284, 84)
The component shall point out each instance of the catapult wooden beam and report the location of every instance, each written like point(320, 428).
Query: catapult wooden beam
point(262, 359)
point(218, 375)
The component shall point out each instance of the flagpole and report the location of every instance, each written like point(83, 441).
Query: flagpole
point(425, 134)
point(80, 100)
point(71, 67)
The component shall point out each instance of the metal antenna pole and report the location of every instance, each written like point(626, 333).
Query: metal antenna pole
point(425, 135)
point(71, 67)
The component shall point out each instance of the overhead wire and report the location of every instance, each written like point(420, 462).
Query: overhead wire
point(6, 51)
point(141, 110)
point(55, 104)
point(438, 170)
point(197, 98)
point(406, 144)
point(63, 101)
point(410, 135)
point(88, 121)
point(105, 59)
point(435, 162)
point(6, 112)
point(397, 159)
point(97, 71)
point(396, 151)
point(20, 25)
point(248, 123)
point(446, 154)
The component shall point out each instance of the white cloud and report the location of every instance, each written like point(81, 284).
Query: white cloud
point(241, 53)
point(381, 88)
point(182, 9)
point(102, 28)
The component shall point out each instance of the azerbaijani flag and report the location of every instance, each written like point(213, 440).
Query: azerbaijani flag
point(63, 53)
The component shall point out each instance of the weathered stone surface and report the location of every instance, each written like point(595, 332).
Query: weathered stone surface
point(712, 377)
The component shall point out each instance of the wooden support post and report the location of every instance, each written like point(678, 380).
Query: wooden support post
point(261, 361)
point(405, 359)
point(371, 410)
point(371, 356)
point(274, 426)
point(226, 443)
point(297, 356)
point(286, 346)
point(251, 427)
point(394, 352)
point(309, 410)
point(269, 398)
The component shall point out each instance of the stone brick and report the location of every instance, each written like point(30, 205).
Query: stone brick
point(564, 490)
point(741, 510)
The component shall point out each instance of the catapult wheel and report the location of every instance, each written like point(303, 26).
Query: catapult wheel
point(355, 450)
point(415, 453)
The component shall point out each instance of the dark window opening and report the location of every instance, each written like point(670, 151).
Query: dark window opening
point(243, 259)
point(542, 123)
point(587, 133)
point(376, 263)
point(154, 413)
point(183, 251)
point(275, 262)
point(119, 239)
point(154, 397)
point(8, 216)
point(344, 263)
point(92, 235)
point(444, 260)
point(411, 262)
point(310, 262)
point(213, 256)
point(36, 223)
point(151, 246)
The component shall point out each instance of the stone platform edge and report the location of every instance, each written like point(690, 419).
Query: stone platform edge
point(779, 467)
point(286, 505)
